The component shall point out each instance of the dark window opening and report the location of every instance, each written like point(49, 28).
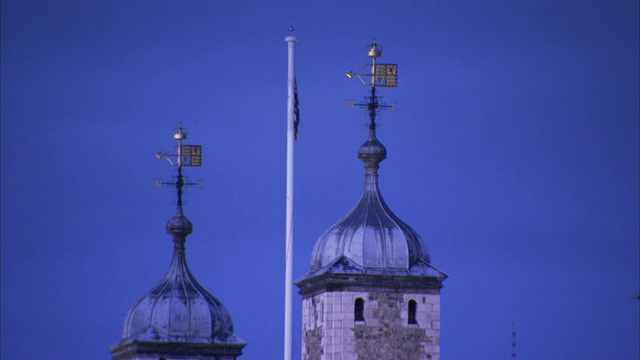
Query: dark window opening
point(412, 312)
point(359, 310)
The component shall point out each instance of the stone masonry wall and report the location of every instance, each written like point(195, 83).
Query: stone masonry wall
point(331, 333)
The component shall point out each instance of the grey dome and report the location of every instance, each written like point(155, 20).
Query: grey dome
point(370, 236)
point(179, 309)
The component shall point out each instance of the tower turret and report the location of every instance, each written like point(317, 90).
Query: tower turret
point(178, 318)
point(371, 292)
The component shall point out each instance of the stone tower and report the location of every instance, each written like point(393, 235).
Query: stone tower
point(371, 292)
point(178, 318)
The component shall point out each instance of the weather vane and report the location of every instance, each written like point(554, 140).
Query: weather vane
point(381, 75)
point(186, 155)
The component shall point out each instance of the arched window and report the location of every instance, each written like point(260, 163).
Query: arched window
point(358, 312)
point(412, 312)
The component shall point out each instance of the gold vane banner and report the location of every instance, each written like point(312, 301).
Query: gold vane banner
point(191, 155)
point(386, 75)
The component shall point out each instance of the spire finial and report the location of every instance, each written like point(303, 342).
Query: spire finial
point(382, 75)
point(375, 50)
point(291, 29)
point(186, 155)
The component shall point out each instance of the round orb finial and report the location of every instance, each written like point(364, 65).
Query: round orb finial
point(180, 133)
point(375, 50)
point(372, 152)
point(179, 225)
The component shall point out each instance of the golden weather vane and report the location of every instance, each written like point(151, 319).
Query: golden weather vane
point(186, 155)
point(381, 75)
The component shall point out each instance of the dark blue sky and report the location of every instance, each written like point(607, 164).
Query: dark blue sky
point(514, 154)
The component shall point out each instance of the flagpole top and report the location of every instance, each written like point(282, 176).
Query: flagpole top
point(291, 38)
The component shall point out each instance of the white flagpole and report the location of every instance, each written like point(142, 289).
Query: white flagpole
point(288, 286)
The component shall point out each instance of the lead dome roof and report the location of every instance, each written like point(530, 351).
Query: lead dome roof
point(178, 308)
point(371, 238)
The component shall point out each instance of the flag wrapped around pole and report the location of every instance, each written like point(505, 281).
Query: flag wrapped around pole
point(292, 121)
point(296, 109)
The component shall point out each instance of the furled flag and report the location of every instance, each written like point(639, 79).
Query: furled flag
point(296, 108)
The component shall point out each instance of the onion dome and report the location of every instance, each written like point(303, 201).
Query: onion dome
point(371, 238)
point(178, 318)
point(179, 309)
